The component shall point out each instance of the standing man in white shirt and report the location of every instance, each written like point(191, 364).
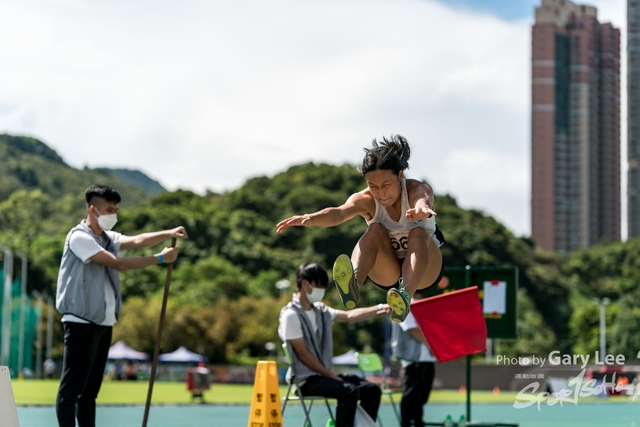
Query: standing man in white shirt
point(305, 325)
point(88, 297)
point(410, 346)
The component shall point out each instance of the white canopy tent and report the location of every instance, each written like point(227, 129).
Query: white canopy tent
point(121, 351)
point(347, 359)
point(182, 354)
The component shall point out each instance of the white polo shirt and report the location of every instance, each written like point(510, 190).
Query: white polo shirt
point(425, 352)
point(290, 327)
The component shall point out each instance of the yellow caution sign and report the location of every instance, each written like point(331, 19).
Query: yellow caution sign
point(265, 403)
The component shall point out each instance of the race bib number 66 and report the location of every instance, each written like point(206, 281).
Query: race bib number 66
point(399, 240)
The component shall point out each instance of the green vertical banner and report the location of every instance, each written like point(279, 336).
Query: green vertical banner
point(16, 288)
point(1, 299)
point(1, 296)
point(15, 338)
point(31, 321)
point(30, 318)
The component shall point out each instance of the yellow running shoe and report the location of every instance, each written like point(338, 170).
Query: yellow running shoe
point(344, 276)
point(399, 301)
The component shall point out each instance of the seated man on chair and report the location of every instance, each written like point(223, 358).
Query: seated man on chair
point(305, 325)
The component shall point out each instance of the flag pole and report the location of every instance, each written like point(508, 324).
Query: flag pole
point(156, 352)
point(467, 278)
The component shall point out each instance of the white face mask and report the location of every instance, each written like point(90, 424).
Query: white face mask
point(316, 295)
point(107, 222)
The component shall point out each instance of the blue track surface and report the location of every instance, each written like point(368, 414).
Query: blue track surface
point(582, 415)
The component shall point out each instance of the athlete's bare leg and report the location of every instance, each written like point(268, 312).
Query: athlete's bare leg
point(435, 265)
point(423, 263)
point(420, 270)
point(375, 257)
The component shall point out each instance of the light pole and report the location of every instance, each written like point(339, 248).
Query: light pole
point(271, 349)
point(282, 285)
point(603, 303)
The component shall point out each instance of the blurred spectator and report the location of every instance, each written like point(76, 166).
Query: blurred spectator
point(411, 348)
point(49, 367)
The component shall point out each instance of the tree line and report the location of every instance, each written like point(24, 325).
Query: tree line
point(224, 302)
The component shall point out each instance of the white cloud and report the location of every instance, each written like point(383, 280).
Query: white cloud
point(489, 172)
point(206, 94)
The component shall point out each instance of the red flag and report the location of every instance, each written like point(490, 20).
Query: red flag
point(452, 323)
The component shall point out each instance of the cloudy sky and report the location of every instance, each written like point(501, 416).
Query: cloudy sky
point(204, 94)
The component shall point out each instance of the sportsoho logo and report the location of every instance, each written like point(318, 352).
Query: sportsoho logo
point(573, 389)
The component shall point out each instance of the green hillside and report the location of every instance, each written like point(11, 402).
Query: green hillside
point(137, 179)
point(29, 164)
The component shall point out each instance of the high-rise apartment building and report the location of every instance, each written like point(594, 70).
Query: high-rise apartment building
point(633, 118)
point(575, 127)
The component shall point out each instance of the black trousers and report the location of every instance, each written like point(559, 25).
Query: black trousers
point(418, 380)
point(348, 391)
point(86, 347)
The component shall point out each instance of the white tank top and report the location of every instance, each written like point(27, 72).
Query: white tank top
point(399, 230)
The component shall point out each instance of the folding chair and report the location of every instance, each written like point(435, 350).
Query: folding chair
point(371, 366)
point(306, 401)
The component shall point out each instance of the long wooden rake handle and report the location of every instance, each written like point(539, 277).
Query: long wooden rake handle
point(156, 352)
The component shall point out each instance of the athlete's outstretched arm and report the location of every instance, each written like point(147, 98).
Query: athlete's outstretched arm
point(422, 195)
point(328, 217)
